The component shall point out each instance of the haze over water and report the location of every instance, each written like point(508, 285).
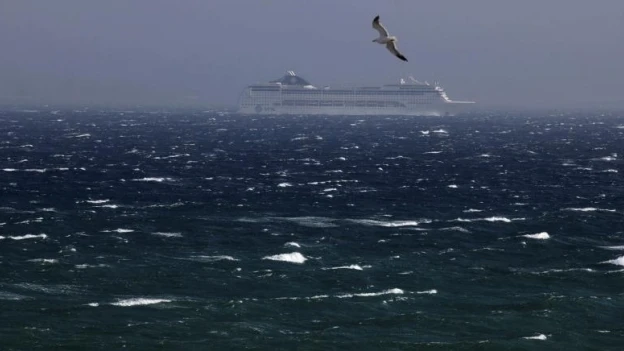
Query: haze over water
point(560, 53)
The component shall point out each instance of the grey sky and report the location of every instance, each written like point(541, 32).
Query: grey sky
point(496, 52)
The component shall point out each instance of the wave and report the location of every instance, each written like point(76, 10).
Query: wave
point(488, 219)
point(618, 261)
point(154, 179)
point(389, 224)
point(85, 266)
point(139, 301)
point(617, 247)
point(549, 271)
point(430, 292)
point(293, 257)
point(168, 235)
point(455, 228)
point(118, 230)
point(353, 266)
point(5, 295)
point(587, 209)
point(394, 291)
point(109, 206)
point(308, 221)
point(538, 236)
point(97, 201)
point(27, 236)
point(203, 258)
point(36, 170)
point(44, 260)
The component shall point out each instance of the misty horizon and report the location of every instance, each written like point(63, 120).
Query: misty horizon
point(194, 53)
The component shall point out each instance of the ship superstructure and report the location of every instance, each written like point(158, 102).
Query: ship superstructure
point(292, 94)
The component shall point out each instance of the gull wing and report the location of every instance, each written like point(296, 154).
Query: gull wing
point(391, 45)
point(380, 28)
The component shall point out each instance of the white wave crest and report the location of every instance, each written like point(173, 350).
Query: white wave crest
point(98, 201)
point(456, 228)
point(85, 266)
point(589, 270)
point(430, 292)
point(213, 258)
point(587, 209)
point(293, 257)
point(619, 247)
point(538, 236)
point(29, 236)
point(389, 224)
point(140, 301)
point(394, 291)
point(353, 266)
point(119, 230)
point(488, 219)
point(168, 235)
point(310, 221)
point(536, 337)
point(44, 260)
point(292, 244)
point(618, 261)
point(153, 179)
point(109, 206)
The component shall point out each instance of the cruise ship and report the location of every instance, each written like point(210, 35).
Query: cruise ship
point(293, 95)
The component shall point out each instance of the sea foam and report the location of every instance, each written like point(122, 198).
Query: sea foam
point(538, 236)
point(293, 257)
point(140, 301)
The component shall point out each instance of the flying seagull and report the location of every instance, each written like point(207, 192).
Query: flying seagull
point(385, 38)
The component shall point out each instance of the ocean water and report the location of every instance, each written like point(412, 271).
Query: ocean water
point(210, 231)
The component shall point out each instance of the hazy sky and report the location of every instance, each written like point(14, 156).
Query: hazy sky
point(496, 52)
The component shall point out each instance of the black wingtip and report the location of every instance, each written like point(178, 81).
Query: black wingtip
point(376, 18)
point(402, 57)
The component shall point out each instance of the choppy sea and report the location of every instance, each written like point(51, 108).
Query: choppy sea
point(212, 231)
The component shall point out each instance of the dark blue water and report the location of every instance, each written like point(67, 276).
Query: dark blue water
point(205, 231)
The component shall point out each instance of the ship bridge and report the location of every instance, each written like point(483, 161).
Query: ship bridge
point(290, 78)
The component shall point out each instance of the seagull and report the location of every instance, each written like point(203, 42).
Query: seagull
point(385, 38)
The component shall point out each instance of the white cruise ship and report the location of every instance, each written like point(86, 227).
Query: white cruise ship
point(293, 95)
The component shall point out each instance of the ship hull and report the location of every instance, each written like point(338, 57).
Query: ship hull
point(448, 109)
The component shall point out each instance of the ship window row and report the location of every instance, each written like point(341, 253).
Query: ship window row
point(356, 93)
point(345, 92)
point(265, 88)
point(339, 103)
